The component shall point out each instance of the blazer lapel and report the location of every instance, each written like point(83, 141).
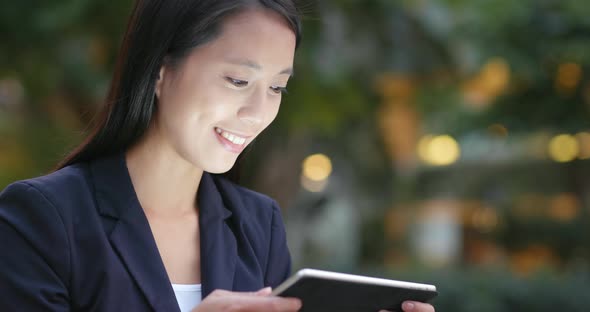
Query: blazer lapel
point(218, 242)
point(129, 231)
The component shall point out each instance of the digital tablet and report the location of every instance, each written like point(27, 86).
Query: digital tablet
point(324, 291)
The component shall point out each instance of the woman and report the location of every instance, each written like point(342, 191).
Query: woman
point(137, 218)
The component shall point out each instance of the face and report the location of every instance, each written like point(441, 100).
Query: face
point(226, 92)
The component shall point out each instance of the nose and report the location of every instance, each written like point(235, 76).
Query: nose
point(253, 112)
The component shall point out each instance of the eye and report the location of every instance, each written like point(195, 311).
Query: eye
point(278, 90)
point(237, 82)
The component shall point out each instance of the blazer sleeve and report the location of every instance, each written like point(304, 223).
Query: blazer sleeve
point(35, 260)
point(278, 267)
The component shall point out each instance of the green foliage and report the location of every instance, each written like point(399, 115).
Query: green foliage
point(500, 292)
point(469, 290)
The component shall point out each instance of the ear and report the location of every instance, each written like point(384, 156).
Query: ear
point(159, 81)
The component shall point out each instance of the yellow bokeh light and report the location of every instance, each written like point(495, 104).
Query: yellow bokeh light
point(423, 147)
point(440, 150)
point(496, 75)
point(317, 167)
point(563, 148)
point(492, 80)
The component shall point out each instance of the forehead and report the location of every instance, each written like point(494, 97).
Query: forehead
point(257, 35)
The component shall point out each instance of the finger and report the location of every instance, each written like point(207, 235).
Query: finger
point(270, 304)
point(413, 306)
point(288, 304)
point(264, 291)
point(220, 292)
point(261, 292)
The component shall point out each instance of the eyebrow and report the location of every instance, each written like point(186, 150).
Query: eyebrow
point(256, 66)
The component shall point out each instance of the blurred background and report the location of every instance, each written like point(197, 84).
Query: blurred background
point(442, 141)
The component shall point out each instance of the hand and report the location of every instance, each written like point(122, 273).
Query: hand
point(227, 301)
point(412, 306)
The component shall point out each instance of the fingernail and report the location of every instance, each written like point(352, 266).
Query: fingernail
point(298, 304)
point(408, 306)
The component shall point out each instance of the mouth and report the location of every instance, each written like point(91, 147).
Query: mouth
point(231, 141)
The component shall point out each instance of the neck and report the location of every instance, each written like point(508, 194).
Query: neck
point(165, 183)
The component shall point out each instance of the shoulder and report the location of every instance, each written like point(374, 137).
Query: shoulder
point(67, 180)
point(35, 219)
point(44, 194)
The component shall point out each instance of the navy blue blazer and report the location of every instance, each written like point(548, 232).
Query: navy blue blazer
point(78, 240)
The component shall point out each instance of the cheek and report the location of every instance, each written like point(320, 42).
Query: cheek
point(185, 105)
point(174, 115)
point(177, 116)
point(172, 104)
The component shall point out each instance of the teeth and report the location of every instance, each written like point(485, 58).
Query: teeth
point(230, 137)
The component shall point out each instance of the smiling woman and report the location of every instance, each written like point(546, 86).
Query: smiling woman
point(138, 217)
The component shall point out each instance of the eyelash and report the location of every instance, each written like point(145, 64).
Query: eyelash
point(243, 83)
point(279, 90)
point(237, 82)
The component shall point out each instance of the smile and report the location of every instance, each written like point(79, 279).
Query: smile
point(235, 139)
point(231, 141)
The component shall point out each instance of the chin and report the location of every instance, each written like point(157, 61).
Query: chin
point(220, 167)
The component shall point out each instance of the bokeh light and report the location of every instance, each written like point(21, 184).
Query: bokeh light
point(492, 80)
point(568, 76)
point(439, 150)
point(563, 148)
point(316, 171)
point(317, 167)
point(496, 75)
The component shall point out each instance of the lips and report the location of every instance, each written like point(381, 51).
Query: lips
point(231, 141)
point(234, 138)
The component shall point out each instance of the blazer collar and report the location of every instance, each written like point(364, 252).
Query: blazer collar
point(131, 236)
point(218, 241)
point(133, 239)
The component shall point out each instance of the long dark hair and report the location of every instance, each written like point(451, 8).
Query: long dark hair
point(159, 32)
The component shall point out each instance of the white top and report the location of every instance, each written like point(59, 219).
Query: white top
point(188, 296)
